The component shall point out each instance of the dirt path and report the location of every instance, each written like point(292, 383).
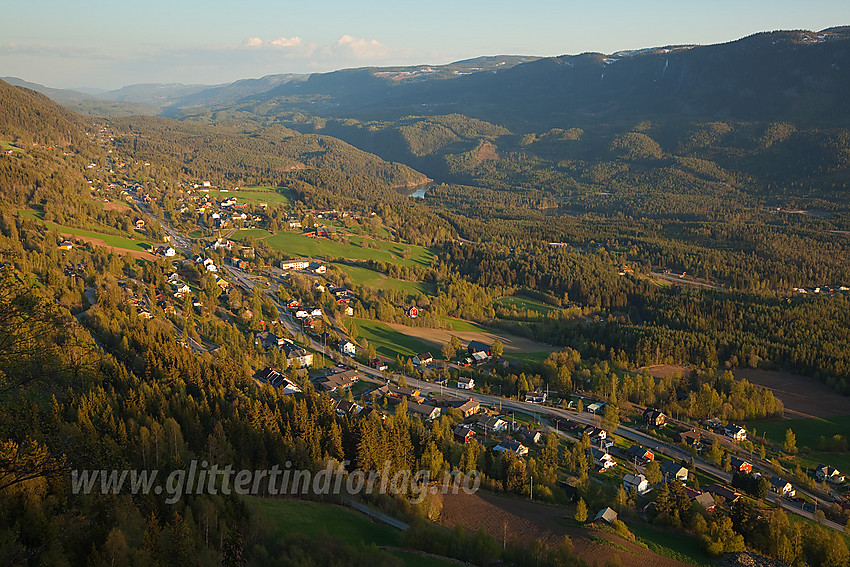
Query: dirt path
point(100, 242)
point(515, 519)
point(439, 337)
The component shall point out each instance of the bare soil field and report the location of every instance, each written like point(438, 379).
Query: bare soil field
point(100, 242)
point(802, 396)
point(439, 337)
point(514, 519)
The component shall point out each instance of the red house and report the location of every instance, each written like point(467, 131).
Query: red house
point(741, 465)
point(413, 312)
point(463, 434)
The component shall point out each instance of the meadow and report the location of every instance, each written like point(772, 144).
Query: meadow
point(388, 341)
point(255, 194)
point(297, 245)
point(376, 280)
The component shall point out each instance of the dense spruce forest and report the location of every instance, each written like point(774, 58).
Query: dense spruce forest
point(714, 238)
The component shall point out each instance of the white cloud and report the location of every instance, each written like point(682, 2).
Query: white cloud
point(361, 48)
point(286, 42)
point(253, 42)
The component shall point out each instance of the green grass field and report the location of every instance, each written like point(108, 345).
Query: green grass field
point(527, 356)
point(525, 304)
point(807, 432)
point(463, 326)
point(376, 280)
point(679, 546)
point(387, 341)
point(255, 194)
point(391, 252)
point(122, 242)
point(309, 518)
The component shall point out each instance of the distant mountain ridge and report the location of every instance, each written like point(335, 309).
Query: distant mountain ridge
point(799, 76)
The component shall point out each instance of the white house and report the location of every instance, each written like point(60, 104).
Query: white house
point(465, 383)
point(636, 481)
point(516, 447)
point(302, 314)
point(316, 313)
point(294, 264)
point(422, 359)
point(348, 348)
point(495, 424)
point(602, 459)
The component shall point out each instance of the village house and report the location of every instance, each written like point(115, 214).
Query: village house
point(594, 408)
point(267, 339)
point(465, 383)
point(741, 465)
point(494, 424)
point(390, 390)
point(735, 432)
point(516, 447)
point(538, 396)
point(463, 433)
point(782, 487)
point(654, 418)
point(704, 499)
point(345, 407)
point(690, 438)
point(727, 494)
point(340, 380)
point(829, 474)
point(422, 359)
point(278, 380)
point(478, 346)
point(601, 458)
point(607, 515)
point(529, 437)
point(636, 481)
point(347, 348)
point(295, 355)
point(672, 470)
point(425, 411)
point(294, 264)
point(640, 455)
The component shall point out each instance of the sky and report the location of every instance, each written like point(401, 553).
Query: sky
point(107, 44)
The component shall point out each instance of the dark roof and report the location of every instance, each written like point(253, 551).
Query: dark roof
point(671, 467)
point(339, 380)
point(424, 410)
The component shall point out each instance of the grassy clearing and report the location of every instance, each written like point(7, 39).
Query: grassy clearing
point(116, 241)
point(389, 252)
point(463, 326)
point(525, 304)
point(681, 547)
point(256, 194)
point(807, 431)
point(527, 356)
point(247, 233)
point(371, 278)
point(387, 341)
point(310, 518)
